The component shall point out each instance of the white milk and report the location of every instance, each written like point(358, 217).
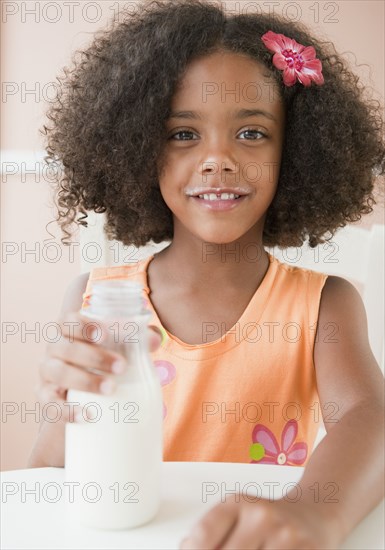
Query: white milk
point(113, 462)
point(116, 460)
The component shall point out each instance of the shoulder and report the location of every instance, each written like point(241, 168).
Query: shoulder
point(340, 299)
point(336, 294)
point(337, 284)
point(342, 313)
point(294, 272)
point(307, 285)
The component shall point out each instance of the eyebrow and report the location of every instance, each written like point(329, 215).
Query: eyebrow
point(242, 113)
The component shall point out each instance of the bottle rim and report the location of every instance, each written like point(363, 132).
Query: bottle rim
point(115, 286)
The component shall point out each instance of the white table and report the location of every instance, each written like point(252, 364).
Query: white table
point(26, 523)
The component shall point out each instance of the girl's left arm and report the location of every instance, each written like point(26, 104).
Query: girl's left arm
point(350, 458)
point(344, 477)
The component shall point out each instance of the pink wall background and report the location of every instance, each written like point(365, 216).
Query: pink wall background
point(35, 46)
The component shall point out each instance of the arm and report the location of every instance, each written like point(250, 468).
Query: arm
point(351, 456)
point(48, 449)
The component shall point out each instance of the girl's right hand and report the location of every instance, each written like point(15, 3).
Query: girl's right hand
point(65, 366)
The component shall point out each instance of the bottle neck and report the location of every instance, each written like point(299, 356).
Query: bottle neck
point(118, 306)
point(116, 299)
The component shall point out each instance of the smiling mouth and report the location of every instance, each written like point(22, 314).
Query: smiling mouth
point(218, 202)
point(218, 196)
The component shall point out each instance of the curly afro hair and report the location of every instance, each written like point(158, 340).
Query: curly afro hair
point(108, 130)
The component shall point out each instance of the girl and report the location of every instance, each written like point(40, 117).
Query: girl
point(224, 134)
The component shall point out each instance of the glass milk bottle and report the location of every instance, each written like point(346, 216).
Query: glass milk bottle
point(113, 457)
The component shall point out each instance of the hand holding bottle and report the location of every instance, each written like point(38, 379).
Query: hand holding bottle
point(71, 362)
point(66, 366)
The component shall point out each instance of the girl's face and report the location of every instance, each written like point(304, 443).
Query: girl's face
point(214, 141)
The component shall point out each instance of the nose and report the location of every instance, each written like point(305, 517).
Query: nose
point(218, 159)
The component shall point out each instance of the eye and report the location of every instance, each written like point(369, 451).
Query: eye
point(253, 131)
point(186, 133)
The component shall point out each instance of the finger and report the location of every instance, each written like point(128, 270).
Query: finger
point(66, 375)
point(212, 528)
point(87, 356)
point(283, 538)
point(75, 326)
point(253, 525)
point(78, 327)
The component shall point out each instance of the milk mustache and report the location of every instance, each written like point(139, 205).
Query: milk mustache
point(113, 457)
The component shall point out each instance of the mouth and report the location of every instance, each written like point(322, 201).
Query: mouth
point(224, 201)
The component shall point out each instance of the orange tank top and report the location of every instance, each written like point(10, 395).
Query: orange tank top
point(251, 395)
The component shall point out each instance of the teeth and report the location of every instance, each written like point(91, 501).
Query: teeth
point(221, 196)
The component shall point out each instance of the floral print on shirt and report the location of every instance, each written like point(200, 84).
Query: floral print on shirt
point(166, 372)
point(266, 450)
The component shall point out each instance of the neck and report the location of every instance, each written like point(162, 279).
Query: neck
point(193, 263)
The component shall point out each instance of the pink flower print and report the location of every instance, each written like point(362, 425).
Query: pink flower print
point(265, 448)
point(166, 372)
point(297, 61)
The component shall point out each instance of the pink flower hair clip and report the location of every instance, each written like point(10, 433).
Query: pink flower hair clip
point(297, 62)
